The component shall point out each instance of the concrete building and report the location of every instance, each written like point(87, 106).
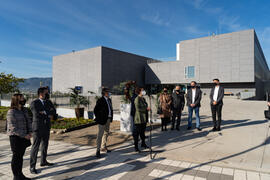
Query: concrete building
point(235, 58)
point(97, 67)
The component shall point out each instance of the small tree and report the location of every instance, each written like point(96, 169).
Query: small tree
point(9, 83)
point(77, 99)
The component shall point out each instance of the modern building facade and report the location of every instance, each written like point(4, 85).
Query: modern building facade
point(96, 67)
point(235, 58)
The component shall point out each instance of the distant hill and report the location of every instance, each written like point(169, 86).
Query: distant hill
point(32, 84)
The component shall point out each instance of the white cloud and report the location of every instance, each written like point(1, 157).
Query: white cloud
point(230, 23)
point(156, 19)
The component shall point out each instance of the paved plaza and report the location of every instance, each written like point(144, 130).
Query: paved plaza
point(241, 151)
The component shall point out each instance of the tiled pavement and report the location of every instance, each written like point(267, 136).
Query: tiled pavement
point(79, 163)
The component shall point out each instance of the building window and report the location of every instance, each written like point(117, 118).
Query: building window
point(189, 72)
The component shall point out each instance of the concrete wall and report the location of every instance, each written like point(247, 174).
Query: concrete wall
point(118, 66)
point(229, 57)
point(81, 68)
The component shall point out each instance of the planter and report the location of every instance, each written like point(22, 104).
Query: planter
point(79, 112)
point(126, 121)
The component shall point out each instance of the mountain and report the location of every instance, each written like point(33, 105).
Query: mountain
point(32, 84)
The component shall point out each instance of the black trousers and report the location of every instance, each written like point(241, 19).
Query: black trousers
point(164, 122)
point(38, 139)
point(139, 130)
point(216, 112)
point(176, 114)
point(18, 149)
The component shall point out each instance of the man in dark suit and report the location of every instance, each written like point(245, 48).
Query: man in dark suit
point(216, 101)
point(41, 129)
point(178, 103)
point(104, 116)
point(194, 96)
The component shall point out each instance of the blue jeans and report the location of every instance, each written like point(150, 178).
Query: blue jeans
point(190, 113)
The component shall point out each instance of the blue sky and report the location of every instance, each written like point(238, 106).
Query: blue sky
point(32, 31)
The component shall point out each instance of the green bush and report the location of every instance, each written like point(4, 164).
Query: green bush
point(66, 123)
point(3, 112)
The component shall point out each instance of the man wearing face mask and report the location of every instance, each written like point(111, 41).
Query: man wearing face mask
point(216, 102)
point(194, 96)
point(178, 103)
point(41, 129)
point(104, 116)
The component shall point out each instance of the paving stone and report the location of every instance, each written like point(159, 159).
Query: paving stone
point(213, 176)
point(226, 177)
point(202, 174)
point(228, 171)
point(253, 175)
point(240, 175)
point(265, 176)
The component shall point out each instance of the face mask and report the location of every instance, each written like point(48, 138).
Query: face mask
point(165, 91)
point(22, 102)
point(193, 87)
point(143, 93)
point(109, 94)
point(216, 84)
point(47, 96)
point(177, 91)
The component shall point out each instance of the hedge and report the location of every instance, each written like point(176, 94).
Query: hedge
point(67, 123)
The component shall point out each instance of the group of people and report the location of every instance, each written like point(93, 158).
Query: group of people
point(172, 105)
point(21, 128)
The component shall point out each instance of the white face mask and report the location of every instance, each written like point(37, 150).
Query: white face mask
point(143, 93)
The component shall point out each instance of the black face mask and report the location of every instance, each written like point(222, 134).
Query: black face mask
point(165, 91)
point(47, 96)
point(177, 91)
point(193, 87)
point(216, 84)
point(22, 102)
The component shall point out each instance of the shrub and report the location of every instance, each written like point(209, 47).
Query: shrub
point(3, 112)
point(66, 123)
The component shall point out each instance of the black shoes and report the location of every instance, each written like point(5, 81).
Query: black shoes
point(106, 150)
point(216, 129)
point(199, 128)
point(33, 171)
point(98, 154)
point(144, 146)
point(137, 150)
point(46, 164)
point(189, 128)
point(21, 177)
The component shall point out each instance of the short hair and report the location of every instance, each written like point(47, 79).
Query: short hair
point(104, 90)
point(216, 79)
point(41, 90)
point(15, 101)
point(193, 82)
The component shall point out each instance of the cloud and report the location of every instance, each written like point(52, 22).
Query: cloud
point(155, 19)
point(231, 23)
point(194, 30)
